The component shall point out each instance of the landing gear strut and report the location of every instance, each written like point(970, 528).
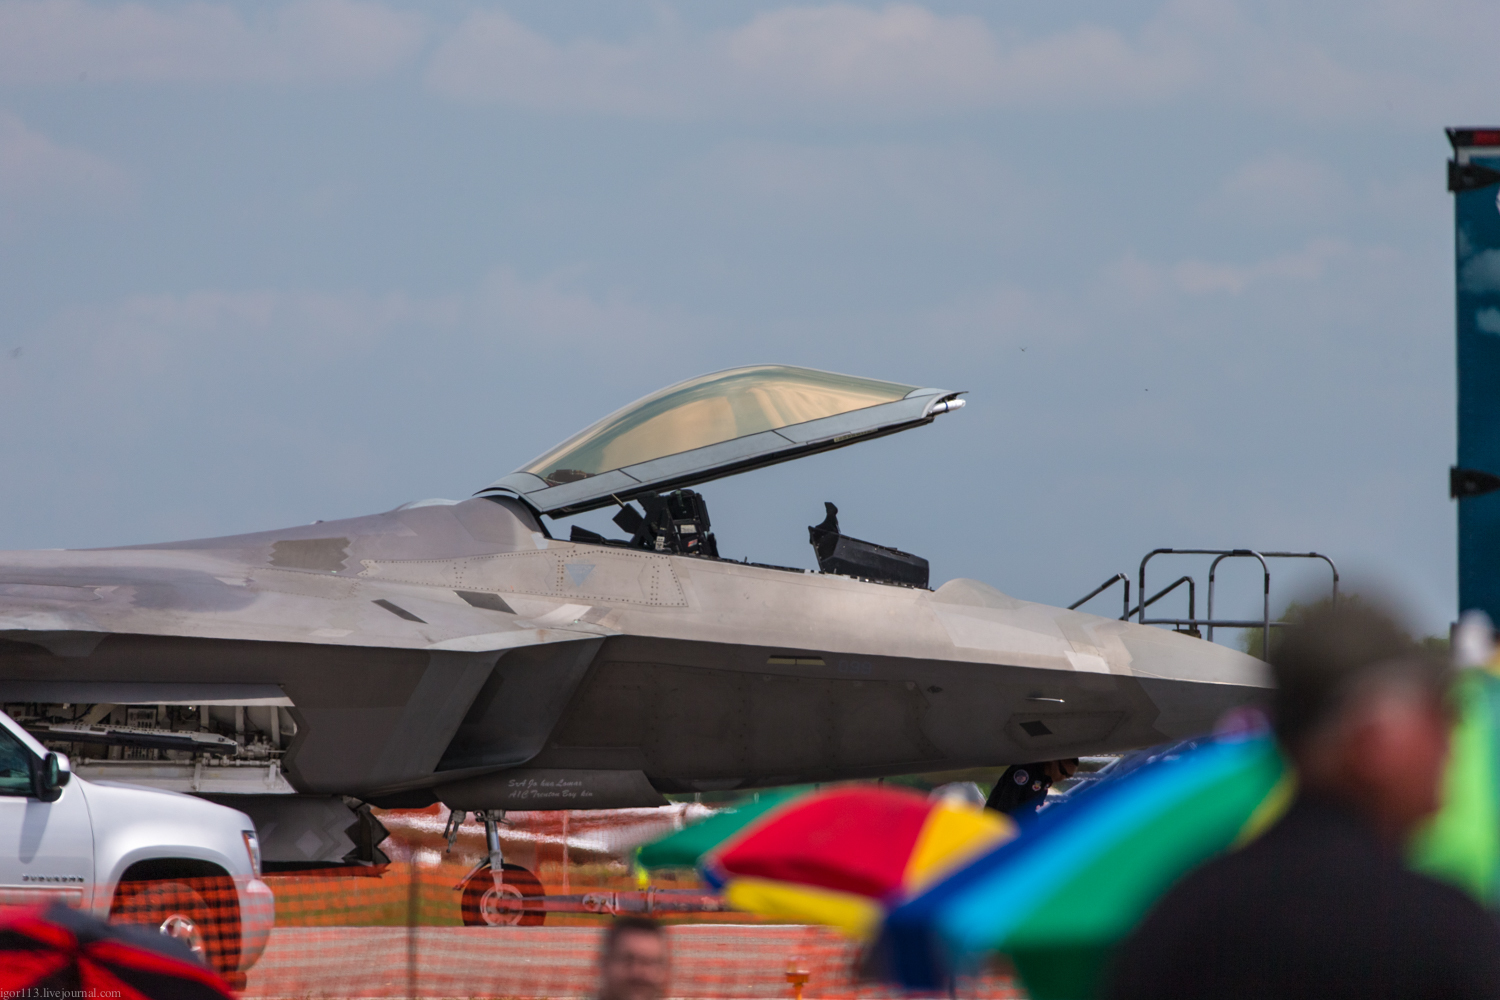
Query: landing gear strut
point(497, 894)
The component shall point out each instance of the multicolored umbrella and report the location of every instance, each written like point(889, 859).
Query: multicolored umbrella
point(1060, 898)
point(687, 846)
point(838, 857)
point(64, 953)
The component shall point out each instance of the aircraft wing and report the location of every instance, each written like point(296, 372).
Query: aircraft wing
point(72, 600)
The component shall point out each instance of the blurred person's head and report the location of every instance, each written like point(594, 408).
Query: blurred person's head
point(1363, 712)
point(1061, 770)
point(633, 962)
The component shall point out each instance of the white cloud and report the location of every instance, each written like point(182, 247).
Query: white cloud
point(491, 57)
point(840, 51)
point(550, 314)
point(905, 57)
point(48, 41)
point(1141, 280)
point(1278, 188)
point(1413, 62)
point(38, 175)
point(950, 188)
point(302, 381)
point(898, 59)
point(1408, 61)
point(145, 337)
point(906, 60)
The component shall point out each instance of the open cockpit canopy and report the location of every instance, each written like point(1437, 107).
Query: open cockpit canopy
point(716, 425)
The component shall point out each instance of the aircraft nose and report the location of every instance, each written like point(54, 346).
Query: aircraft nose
point(1193, 683)
point(1159, 653)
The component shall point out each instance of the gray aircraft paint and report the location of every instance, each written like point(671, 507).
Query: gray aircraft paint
point(457, 652)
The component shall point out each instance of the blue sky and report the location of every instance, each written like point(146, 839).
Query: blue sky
point(263, 264)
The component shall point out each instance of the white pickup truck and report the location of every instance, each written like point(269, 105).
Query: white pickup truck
point(131, 854)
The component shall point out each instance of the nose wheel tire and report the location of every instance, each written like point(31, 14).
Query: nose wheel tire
point(516, 902)
point(179, 911)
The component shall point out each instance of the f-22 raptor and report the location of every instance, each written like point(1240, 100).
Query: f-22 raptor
point(462, 653)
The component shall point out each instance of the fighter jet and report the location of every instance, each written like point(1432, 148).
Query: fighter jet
point(463, 653)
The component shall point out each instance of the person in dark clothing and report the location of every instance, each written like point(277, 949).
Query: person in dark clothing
point(1321, 905)
point(1022, 789)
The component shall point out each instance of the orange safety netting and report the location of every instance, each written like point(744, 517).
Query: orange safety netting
point(424, 951)
point(399, 933)
point(408, 929)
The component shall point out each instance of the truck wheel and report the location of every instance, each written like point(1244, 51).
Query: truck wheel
point(517, 903)
point(178, 910)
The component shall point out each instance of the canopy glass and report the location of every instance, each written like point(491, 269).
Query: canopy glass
point(709, 410)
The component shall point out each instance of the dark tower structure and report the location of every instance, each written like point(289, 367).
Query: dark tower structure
point(1474, 179)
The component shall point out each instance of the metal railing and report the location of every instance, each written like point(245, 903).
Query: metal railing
point(1210, 623)
point(1192, 622)
point(1117, 578)
point(1192, 598)
point(1125, 609)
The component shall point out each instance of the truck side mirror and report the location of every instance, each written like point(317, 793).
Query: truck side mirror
point(49, 775)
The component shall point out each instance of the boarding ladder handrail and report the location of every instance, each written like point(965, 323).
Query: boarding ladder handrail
point(1210, 623)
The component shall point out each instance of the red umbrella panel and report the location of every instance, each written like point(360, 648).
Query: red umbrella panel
point(61, 949)
point(842, 856)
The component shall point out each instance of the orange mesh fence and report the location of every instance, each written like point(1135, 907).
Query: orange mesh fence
point(202, 913)
point(424, 950)
point(708, 960)
point(432, 923)
point(403, 931)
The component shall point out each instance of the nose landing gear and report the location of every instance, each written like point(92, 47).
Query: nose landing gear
point(513, 900)
point(497, 894)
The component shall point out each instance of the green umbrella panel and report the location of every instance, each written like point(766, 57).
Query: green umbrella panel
point(1461, 844)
